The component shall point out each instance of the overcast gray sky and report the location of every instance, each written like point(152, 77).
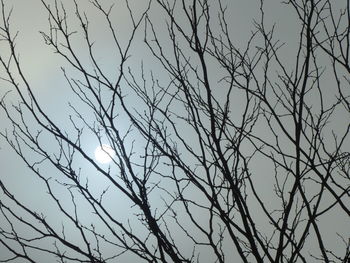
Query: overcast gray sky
point(42, 69)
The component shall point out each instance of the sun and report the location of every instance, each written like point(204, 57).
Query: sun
point(104, 154)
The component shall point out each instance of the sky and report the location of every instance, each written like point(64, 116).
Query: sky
point(43, 70)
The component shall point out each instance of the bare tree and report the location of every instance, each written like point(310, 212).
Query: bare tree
point(229, 151)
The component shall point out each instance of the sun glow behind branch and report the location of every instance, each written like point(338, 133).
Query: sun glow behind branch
point(104, 154)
